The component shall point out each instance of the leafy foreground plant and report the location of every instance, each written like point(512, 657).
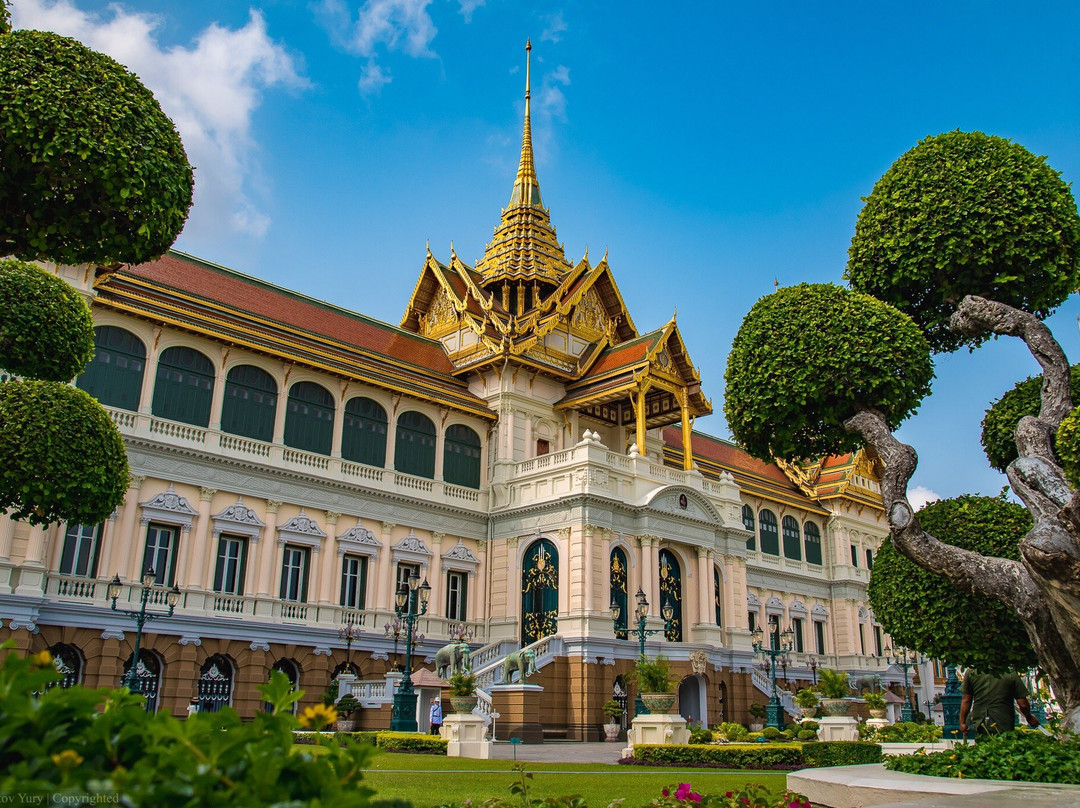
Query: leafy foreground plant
point(81, 746)
point(1025, 756)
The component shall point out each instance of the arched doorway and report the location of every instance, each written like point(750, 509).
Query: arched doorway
point(692, 704)
point(671, 592)
point(292, 671)
point(539, 592)
point(215, 684)
point(147, 678)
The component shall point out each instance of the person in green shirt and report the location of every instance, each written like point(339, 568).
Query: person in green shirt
point(988, 700)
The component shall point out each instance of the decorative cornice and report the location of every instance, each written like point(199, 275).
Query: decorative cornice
point(168, 507)
point(238, 518)
point(190, 639)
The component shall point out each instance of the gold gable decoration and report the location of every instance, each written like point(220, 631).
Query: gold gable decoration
point(589, 316)
point(855, 476)
point(440, 317)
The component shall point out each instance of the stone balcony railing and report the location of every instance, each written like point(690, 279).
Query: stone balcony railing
point(235, 447)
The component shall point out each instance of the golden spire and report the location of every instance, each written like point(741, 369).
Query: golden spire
point(526, 186)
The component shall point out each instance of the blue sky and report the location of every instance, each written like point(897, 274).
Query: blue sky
point(710, 147)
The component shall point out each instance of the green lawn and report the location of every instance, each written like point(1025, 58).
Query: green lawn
point(427, 780)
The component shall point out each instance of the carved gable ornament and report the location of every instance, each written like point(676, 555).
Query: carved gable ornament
point(170, 508)
point(358, 540)
point(461, 558)
point(412, 549)
point(752, 600)
point(238, 519)
point(589, 316)
point(819, 612)
point(303, 530)
point(797, 607)
point(441, 315)
point(774, 604)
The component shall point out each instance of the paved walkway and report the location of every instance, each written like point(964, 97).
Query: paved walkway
point(559, 752)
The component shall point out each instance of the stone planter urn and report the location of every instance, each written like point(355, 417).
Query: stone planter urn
point(345, 724)
point(836, 706)
point(464, 705)
point(658, 703)
point(611, 732)
point(878, 713)
point(808, 712)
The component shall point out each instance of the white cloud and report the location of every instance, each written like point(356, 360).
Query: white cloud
point(920, 496)
point(556, 27)
point(550, 100)
point(372, 78)
point(468, 7)
point(210, 90)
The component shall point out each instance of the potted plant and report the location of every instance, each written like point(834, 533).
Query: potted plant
point(835, 690)
point(654, 681)
point(875, 702)
point(807, 700)
point(613, 713)
point(346, 706)
point(463, 692)
point(758, 711)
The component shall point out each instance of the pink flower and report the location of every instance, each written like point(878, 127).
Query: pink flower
point(695, 797)
point(664, 792)
point(683, 791)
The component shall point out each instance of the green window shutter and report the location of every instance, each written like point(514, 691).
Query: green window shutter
point(671, 592)
point(363, 432)
point(184, 388)
point(461, 457)
point(792, 543)
point(716, 596)
point(250, 403)
point(770, 535)
point(309, 419)
point(115, 374)
point(748, 523)
point(539, 591)
point(812, 537)
point(415, 449)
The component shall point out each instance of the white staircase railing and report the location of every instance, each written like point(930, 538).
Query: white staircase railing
point(489, 672)
point(764, 684)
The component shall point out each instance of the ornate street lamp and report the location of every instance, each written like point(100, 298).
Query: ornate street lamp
point(172, 597)
point(950, 704)
point(641, 614)
point(813, 663)
point(395, 630)
point(906, 659)
point(411, 601)
point(777, 647)
point(349, 633)
point(460, 632)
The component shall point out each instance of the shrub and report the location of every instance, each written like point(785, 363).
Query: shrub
point(462, 685)
point(807, 698)
point(1024, 756)
point(700, 735)
point(612, 710)
point(786, 735)
point(757, 710)
point(875, 701)
point(727, 756)
point(833, 684)
point(840, 753)
point(347, 705)
point(807, 735)
point(653, 676)
point(731, 731)
point(340, 738)
point(681, 795)
point(770, 733)
point(410, 742)
point(810, 724)
point(904, 732)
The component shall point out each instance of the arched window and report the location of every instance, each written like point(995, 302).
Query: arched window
point(792, 544)
point(461, 457)
point(415, 449)
point(69, 664)
point(363, 432)
point(309, 419)
point(292, 671)
point(748, 523)
point(539, 592)
point(147, 678)
point(215, 684)
point(770, 536)
point(115, 374)
point(717, 608)
point(617, 578)
point(250, 403)
point(184, 389)
point(671, 593)
point(812, 539)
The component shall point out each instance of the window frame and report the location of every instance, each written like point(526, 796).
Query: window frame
point(76, 538)
point(458, 610)
point(295, 591)
point(221, 563)
point(354, 582)
point(171, 552)
point(772, 526)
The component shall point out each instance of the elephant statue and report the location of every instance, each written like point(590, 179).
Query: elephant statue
point(451, 659)
point(869, 681)
point(523, 661)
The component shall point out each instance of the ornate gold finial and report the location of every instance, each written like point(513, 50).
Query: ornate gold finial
point(526, 186)
point(776, 284)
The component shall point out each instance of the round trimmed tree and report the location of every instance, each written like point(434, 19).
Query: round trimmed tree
point(45, 327)
point(964, 213)
point(93, 170)
point(926, 612)
point(808, 357)
point(999, 423)
point(64, 461)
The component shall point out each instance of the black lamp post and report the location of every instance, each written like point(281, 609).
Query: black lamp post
point(349, 634)
point(813, 663)
point(906, 659)
point(172, 597)
point(395, 630)
point(641, 613)
point(411, 601)
point(786, 641)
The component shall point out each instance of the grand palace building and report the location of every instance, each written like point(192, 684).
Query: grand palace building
point(515, 440)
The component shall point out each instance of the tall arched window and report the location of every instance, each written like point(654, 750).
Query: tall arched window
point(792, 543)
point(147, 677)
point(215, 684)
point(184, 388)
point(415, 449)
point(461, 457)
point(250, 403)
point(717, 608)
point(363, 432)
point(770, 535)
point(68, 661)
point(671, 593)
point(812, 538)
point(539, 592)
point(309, 419)
point(617, 579)
point(115, 374)
point(748, 523)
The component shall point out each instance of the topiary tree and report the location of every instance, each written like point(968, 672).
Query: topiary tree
point(999, 423)
point(92, 172)
point(958, 218)
point(925, 611)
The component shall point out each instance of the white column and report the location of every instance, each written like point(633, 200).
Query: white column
point(329, 559)
point(705, 585)
point(7, 536)
point(386, 576)
point(189, 575)
point(267, 551)
point(437, 601)
point(146, 394)
point(590, 587)
point(128, 539)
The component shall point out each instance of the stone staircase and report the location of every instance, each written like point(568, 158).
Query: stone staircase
point(764, 684)
point(487, 664)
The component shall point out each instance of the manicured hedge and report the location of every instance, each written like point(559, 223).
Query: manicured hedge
point(725, 756)
point(840, 753)
point(390, 741)
point(1024, 756)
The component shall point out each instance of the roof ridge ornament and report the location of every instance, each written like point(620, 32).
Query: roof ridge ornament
point(526, 185)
